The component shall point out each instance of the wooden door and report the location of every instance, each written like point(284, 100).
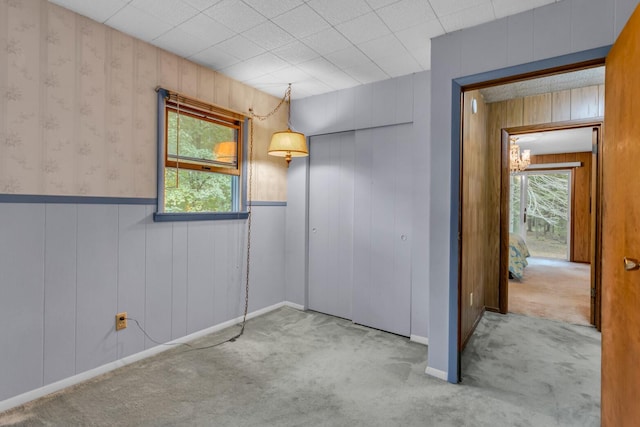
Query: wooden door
point(331, 193)
point(621, 231)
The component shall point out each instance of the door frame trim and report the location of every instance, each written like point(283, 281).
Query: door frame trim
point(503, 287)
point(563, 63)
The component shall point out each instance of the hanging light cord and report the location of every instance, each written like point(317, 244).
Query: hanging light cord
point(285, 98)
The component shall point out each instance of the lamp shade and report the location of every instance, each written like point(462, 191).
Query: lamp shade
point(225, 151)
point(288, 144)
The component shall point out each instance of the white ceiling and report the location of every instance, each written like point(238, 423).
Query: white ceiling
point(557, 141)
point(547, 84)
point(317, 45)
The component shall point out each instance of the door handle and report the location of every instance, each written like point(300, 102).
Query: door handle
point(631, 264)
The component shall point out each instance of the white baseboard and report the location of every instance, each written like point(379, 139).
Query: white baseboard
point(84, 376)
point(294, 305)
point(420, 340)
point(436, 373)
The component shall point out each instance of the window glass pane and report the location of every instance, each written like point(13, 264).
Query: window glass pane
point(201, 140)
point(194, 191)
point(548, 213)
point(514, 205)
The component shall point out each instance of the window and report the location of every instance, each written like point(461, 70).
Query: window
point(200, 160)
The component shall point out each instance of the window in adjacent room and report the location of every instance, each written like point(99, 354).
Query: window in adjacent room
point(201, 157)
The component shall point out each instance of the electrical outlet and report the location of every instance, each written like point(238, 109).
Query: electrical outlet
point(121, 320)
point(470, 300)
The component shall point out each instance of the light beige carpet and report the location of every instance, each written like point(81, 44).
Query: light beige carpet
point(553, 289)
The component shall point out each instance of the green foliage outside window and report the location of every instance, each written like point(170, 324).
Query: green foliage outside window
point(197, 191)
point(190, 190)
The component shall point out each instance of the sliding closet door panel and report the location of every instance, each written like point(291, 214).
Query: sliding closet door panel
point(331, 193)
point(382, 240)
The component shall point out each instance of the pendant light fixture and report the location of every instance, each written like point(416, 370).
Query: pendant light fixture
point(288, 143)
point(517, 161)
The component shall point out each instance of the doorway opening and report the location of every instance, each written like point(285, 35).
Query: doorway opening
point(552, 225)
point(557, 101)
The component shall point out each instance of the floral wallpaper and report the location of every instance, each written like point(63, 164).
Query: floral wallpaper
point(78, 107)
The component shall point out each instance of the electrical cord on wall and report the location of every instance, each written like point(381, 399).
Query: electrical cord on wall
point(249, 203)
point(179, 343)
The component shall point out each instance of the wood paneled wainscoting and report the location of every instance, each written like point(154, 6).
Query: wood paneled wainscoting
point(479, 241)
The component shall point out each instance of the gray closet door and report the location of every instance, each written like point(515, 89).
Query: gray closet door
point(331, 193)
point(382, 240)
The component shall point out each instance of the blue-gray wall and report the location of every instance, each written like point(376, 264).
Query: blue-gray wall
point(390, 102)
point(67, 269)
point(560, 28)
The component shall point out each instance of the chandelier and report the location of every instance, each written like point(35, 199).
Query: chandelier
point(518, 162)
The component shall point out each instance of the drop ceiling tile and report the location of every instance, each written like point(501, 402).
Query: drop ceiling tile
point(205, 28)
point(301, 22)
point(417, 40)
point(174, 12)
point(340, 80)
point(201, 4)
point(262, 83)
point(271, 9)
point(416, 36)
point(327, 41)
point(268, 35)
point(468, 17)
point(242, 72)
point(348, 58)
point(364, 28)
point(318, 67)
point(235, 14)
point(137, 23)
point(240, 47)
point(98, 11)
point(295, 52)
point(504, 8)
point(367, 74)
point(180, 43)
point(447, 7)
point(382, 47)
point(377, 4)
point(290, 74)
point(399, 64)
point(338, 11)
point(328, 44)
point(312, 87)
point(267, 63)
point(406, 14)
point(214, 58)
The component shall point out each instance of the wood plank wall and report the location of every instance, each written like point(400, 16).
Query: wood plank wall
point(476, 266)
point(561, 106)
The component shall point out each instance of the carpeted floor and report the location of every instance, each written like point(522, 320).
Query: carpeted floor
point(294, 368)
point(553, 289)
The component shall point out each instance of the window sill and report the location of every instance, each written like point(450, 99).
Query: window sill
point(198, 216)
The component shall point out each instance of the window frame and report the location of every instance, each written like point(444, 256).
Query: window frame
point(196, 164)
point(168, 100)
